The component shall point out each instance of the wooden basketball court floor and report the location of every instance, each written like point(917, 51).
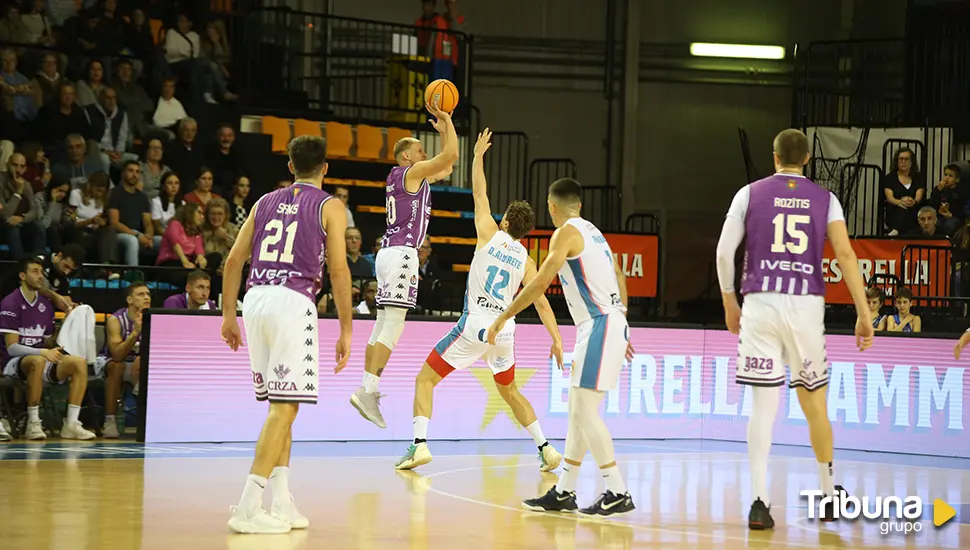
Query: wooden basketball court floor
point(79, 496)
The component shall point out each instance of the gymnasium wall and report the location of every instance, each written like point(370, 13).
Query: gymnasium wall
point(680, 385)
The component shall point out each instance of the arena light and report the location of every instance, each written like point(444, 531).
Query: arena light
point(743, 51)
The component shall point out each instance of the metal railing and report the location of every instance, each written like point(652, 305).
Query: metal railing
point(861, 195)
point(542, 172)
point(926, 269)
point(642, 222)
point(506, 167)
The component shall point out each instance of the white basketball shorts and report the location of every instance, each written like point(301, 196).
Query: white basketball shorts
point(397, 276)
point(779, 329)
point(467, 342)
point(600, 352)
point(101, 369)
point(281, 334)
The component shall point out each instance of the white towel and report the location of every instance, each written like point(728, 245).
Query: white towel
point(77, 334)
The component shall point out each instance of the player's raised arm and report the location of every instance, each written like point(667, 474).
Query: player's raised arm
point(485, 225)
point(441, 162)
point(838, 235)
point(546, 315)
point(732, 233)
point(335, 224)
point(241, 250)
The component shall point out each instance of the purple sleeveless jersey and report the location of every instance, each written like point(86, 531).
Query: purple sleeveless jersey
point(289, 243)
point(785, 227)
point(126, 327)
point(407, 213)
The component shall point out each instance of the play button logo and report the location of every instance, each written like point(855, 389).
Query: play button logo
point(942, 513)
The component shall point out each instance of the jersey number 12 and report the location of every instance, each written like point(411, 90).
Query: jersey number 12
point(495, 288)
point(789, 224)
point(268, 251)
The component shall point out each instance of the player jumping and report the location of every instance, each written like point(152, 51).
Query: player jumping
point(786, 218)
point(288, 233)
point(408, 206)
point(500, 264)
point(595, 290)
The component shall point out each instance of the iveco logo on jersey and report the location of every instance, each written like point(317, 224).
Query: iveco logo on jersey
point(784, 265)
point(268, 274)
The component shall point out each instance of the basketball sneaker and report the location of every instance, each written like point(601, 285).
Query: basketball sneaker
point(417, 455)
point(35, 430)
point(759, 518)
point(290, 514)
point(74, 430)
point(552, 501)
point(259, 523)
point(610, 504)
point(549, 458)
point(369, 406)
point(4, 434)
point(110, 430)
point(827, 513)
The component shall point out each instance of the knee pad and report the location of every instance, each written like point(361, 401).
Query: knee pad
point(389, 326)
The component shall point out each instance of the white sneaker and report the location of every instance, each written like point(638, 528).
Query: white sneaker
point(290, 514)
point(4, 434)
point(261, 523)
point(209, 99)
point(369, 406)
point(35, 430)
point(549, 458)
point(74, 430)
point(110, 430)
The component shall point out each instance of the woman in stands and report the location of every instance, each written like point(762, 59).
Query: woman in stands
point(182, 243)
point(203, 188)
point(904, 189)
point(55, 214)
point(240, 201)
point(218, 234)
point(91, 229)
point(152, 169)
point(167, 202)
point(215, 51)
point(904, 320)
point(90, 87)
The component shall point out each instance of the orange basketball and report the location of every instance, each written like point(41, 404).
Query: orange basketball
point(445, 92)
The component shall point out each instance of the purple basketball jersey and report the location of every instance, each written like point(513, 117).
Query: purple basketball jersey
point(289, 243)
point(32, 322)
point(785, 227)
point(407, 213)
point(127, 326)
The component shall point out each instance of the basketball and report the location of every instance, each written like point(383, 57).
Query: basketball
point(445, 92)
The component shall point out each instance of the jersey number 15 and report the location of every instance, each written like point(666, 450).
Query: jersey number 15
point(789, 224)
point(268, 251)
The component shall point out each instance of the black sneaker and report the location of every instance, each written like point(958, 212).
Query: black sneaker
point(610, 504)
point(827, 513)
point(552, 501)
point(759, 518)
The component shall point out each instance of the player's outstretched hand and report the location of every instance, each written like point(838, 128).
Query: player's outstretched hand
point(495, 329)
point(556, 351)
point(230, 333)
point(863, 333)
point(962, 343)
point(483, 143)
point(343, 352)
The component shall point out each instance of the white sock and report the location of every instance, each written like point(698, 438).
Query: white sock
point(72, 413)
point(252, 497)
point(536, 432)
point(762, 420)
point(420, 424)
point(279, 481)
point(33, 414)
point(568, 478)
point(370, 382)
point(613, 480)
point(826, 474)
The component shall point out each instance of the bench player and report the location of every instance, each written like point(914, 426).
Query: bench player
point(408, 203)
point(288, 234)
point(786, 219)
point(500, 264)
point(595, 291)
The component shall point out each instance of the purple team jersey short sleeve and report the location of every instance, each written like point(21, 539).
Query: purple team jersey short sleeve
point(785, 227)
point(407, 213)
point(33, 321)
point(289, 243)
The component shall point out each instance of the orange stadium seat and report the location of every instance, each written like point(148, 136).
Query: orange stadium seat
point(304, 127)
point(393, 136)
point(370, 142)
point(340, 139)
point(280, 130)
point(157, 28)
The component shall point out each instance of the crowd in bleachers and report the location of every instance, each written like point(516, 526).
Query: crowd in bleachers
point(909, 212)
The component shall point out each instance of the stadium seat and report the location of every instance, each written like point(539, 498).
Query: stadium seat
point(280, 130)
point(340, 139)
point(393, 136)
point(370, 142)
point(158, 30)
point(304, 127)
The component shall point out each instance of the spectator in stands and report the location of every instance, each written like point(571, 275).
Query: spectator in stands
point(182, 243)
point(91, 228)
point(876, 297)
point(904, 320)
point(94, 41)
point(57, 268)
point(79, 165)
point(133, 99)
point(166, 203)
point(440, 46)
point(226, 162)
point(110, 128)
point(218, 234)
point(184, 156)
point(343, 194)
point(904, 189)
point(216, 52)
point(182, 50)
point(18, 99)
point(949, 199)
point(13, 30)
point(368, 300)
point(47, 81)
point(130, 213)
point(240, 201)
point(37, 24)
point(62, 10)
point(928, 226)
point(169, 110)
point(27, 324)
point(153, 170)
point(198, 286)
point(427, 262)
point(203, 188)
point(121, 360)
point(140, 43)
point(19, 216)
point(38, 170)
point(54, 214)
point(89, 87)
point(375, 249)
point(56, 121)
point(360, 267)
